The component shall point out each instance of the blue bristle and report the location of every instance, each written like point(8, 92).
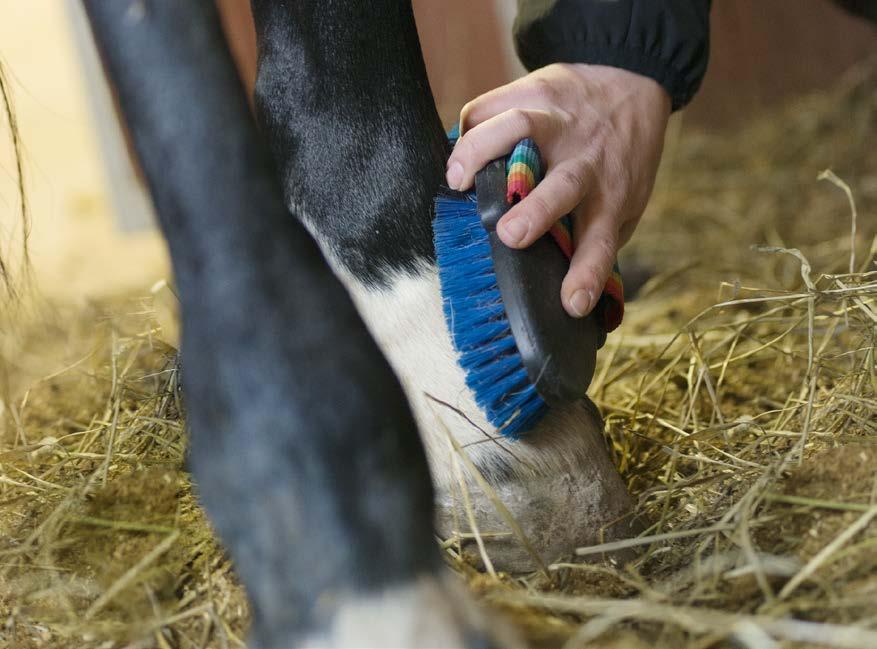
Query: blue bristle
point(477, 319)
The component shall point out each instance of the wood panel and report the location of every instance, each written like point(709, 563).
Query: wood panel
point(765, 52)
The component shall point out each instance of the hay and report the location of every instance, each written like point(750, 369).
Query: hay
point(739, 397)
point(102, 541)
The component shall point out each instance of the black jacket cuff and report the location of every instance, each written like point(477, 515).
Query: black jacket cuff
point(665, 40)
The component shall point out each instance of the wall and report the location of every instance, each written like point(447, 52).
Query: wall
point(763, 51)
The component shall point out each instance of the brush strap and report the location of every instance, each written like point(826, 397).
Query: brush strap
point(559, 352)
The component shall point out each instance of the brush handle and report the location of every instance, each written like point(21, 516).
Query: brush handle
point(490, 192)
point(558, 351)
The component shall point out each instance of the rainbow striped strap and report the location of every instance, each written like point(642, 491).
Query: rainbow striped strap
point(524, 171)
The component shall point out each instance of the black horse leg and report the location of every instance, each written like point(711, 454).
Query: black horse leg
point(303, 447)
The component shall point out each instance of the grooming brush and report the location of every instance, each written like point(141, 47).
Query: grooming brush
point(522, 353)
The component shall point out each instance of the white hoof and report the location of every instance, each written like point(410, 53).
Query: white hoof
point(576, 502)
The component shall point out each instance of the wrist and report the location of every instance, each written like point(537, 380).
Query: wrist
point(619, 85)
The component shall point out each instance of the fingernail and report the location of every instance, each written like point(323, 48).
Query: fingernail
point(455, 175)
point(516, 229)
point(580, 302)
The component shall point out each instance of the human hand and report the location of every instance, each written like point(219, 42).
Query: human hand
point(600, 131)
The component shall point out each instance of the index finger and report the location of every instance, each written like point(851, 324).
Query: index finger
point(521, 93)
point(556, 196)
point(492, 139)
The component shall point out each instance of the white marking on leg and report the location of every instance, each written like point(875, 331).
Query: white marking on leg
point(430, 613)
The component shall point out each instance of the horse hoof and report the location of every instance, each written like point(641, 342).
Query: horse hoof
point(572, 497)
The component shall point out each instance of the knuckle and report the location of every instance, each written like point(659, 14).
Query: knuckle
point(588, 164)
point(467, 148)
point(540, 210)
point(565, 119)
point(465, 112)
point(468, 112)
point(545, 89)
point(590, 275)
point(605, 245)
point(582, 276)
point(570, 179)
point(523, 119)
point(592, 158)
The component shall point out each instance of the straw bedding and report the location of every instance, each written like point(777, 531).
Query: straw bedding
point(739, 398)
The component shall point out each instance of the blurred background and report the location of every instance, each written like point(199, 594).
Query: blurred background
point(92, 233)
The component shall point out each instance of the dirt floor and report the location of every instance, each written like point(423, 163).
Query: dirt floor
point(739, 396)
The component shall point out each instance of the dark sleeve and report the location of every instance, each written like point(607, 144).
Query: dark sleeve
point(864, 8)
point(666, 40)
